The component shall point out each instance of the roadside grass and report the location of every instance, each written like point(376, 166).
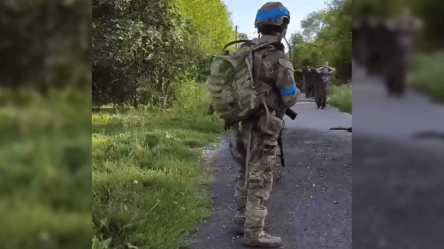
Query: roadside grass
point(148, 176)
point(427, 75)
point(45, 169)
point(341, 97)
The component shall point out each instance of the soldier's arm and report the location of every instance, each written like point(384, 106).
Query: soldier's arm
point(286, 83)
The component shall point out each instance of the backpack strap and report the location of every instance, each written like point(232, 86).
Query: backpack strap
point(234, 42)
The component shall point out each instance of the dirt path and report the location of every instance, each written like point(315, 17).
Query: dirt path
point(311, 205)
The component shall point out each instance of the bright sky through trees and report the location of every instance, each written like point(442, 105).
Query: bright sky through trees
point(244, 12)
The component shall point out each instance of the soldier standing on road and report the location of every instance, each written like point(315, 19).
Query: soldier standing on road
point(326, 73)
point(274, 70)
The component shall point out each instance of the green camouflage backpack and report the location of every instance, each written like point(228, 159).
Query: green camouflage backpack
point(234, 93)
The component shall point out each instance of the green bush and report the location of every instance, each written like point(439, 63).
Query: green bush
point(45, 169)
point(427, 74)
point(188, 94)
point(141, 48)
point(341, 97)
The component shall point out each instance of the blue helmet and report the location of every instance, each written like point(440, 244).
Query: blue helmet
point(272, 13)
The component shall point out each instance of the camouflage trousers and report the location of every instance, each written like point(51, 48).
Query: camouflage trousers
point(261, 133)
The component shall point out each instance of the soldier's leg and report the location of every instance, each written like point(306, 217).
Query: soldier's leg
point(276, 168)
point(316, 96)
point(239, 155)
point(308, 91)
point(260, 182)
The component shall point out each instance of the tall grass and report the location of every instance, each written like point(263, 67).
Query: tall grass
point(147, 174)
point(45, 169)
point(341, 97)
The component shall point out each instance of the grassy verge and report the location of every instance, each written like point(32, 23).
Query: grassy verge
point(45, 169)
point(427, 75)
point(147, 178)
point(341, 97)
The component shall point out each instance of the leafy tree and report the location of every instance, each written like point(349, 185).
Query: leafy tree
point(142, 48)
point(313, 24)
point(242, 36)
point(211, 20)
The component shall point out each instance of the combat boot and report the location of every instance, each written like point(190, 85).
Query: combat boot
point(263, 240)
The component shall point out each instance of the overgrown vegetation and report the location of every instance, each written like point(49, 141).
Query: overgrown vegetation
point(45, 124)
point(45, 169)
point(146, 182)
point(341, 97)
point(142, 49)
point(150, 60)
point(45, 44)
point(427, 74)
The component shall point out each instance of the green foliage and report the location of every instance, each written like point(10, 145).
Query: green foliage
point(188, 94)
point(429, 12)
point(45, 169)
point(326, 37)
point(427, 74)
point(211, 22)
point(141, 48)
point(312, 25)
point(341, 97)
point(45, 44)
point(45, 124)
point(242, 36)
point(146, 182)
point(138, 49)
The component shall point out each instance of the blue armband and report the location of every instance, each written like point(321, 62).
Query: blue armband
point(289, 91)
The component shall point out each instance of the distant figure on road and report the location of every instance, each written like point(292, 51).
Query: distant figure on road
point(324, 76)
point(384, 48)
point(309, 78)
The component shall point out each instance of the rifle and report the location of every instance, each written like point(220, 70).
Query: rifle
point(341, 128)
point(290, 113)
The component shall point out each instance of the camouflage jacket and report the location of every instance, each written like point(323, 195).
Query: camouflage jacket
point(273, 67)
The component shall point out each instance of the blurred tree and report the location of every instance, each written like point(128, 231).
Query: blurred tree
point(429, 11)
point(45, 44)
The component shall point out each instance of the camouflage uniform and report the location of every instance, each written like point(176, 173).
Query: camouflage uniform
point(274, 70)
point(325, 75)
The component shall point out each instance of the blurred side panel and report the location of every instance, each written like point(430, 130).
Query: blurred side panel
point(398, 140)
point(45, 124)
